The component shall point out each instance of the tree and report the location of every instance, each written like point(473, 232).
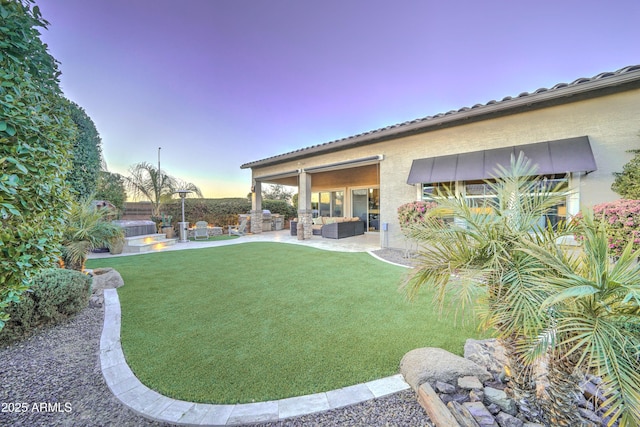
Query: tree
point(35, 138)
point(474, 262)
point(593, 302)
point(276, 192)
point(86, 154)
point(627, 182)
point(147, 181)
point(111, 187)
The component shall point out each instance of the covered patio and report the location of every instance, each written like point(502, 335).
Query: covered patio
point(343, 189)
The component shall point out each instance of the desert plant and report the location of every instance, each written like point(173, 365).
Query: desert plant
point(54, 295)
point(473, 260)
point(87, 228)
point(595, 306)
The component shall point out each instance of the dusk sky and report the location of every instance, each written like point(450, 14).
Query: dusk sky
point(220, 83)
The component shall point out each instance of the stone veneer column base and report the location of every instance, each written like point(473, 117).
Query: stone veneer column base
point(305, 217)
point(256, 221)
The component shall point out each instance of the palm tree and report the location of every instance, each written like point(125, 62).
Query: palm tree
point(149, 182)
point(474, 260)
point(86, 228)
point(594, 302)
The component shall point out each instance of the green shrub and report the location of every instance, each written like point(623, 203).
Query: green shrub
point(217, 212)
point(280, 207)
point(54, 295)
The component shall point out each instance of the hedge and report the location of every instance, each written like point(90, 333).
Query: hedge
point(221, 212)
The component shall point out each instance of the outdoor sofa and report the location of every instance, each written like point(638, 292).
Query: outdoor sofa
point(333, 227)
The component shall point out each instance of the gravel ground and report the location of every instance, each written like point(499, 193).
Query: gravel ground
point(53, 378)
point(398, 256)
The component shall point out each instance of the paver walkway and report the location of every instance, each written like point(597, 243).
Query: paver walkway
point(141, 399)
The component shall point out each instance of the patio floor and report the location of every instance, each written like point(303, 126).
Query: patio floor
point(363, 243)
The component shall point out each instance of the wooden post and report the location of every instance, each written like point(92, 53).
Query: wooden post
point(436, 409)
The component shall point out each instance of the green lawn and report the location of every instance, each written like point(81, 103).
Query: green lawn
point(262, 321)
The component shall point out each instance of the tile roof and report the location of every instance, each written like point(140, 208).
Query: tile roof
point(525, 99)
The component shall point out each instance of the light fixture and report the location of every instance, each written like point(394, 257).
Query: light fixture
point(183, 226)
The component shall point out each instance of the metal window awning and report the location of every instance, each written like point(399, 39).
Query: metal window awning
point(551, 157)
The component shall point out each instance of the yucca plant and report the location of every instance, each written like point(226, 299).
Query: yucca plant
point(474, 261)
point(594, 303)
point(86, 228)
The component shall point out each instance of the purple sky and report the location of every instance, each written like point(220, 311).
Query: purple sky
point(220, 83)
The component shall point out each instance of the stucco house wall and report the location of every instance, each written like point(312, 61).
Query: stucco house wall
point(612, 124)
point(610, 119)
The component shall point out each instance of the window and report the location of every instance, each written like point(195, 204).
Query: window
point(482, 197)
point(327, 203)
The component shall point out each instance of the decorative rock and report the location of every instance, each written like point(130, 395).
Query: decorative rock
point(506, 420)
point(493, 408)
point(532, 425)
point(106, 278)
point(499, 397)
point(469, 383)
point(481, 414)
point(457, 397)
point(487, 353)
point(476, 396)
point(446, 388)
point(435, 364)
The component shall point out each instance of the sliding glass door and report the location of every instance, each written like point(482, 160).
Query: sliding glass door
point(365, 204)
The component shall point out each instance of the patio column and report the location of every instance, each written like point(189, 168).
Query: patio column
point(305, 214)
point(256, 208)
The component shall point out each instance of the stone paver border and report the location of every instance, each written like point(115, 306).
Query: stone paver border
point(150, 404)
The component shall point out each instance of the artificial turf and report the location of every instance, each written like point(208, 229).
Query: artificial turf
point(263, 321)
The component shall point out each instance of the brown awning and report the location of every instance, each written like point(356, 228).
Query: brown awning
point(551, 157)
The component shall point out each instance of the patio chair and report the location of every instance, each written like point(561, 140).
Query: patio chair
point(239, 229)
point(200, 230)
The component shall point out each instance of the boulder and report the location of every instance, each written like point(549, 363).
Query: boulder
point(429, 364)
point(106, 278)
